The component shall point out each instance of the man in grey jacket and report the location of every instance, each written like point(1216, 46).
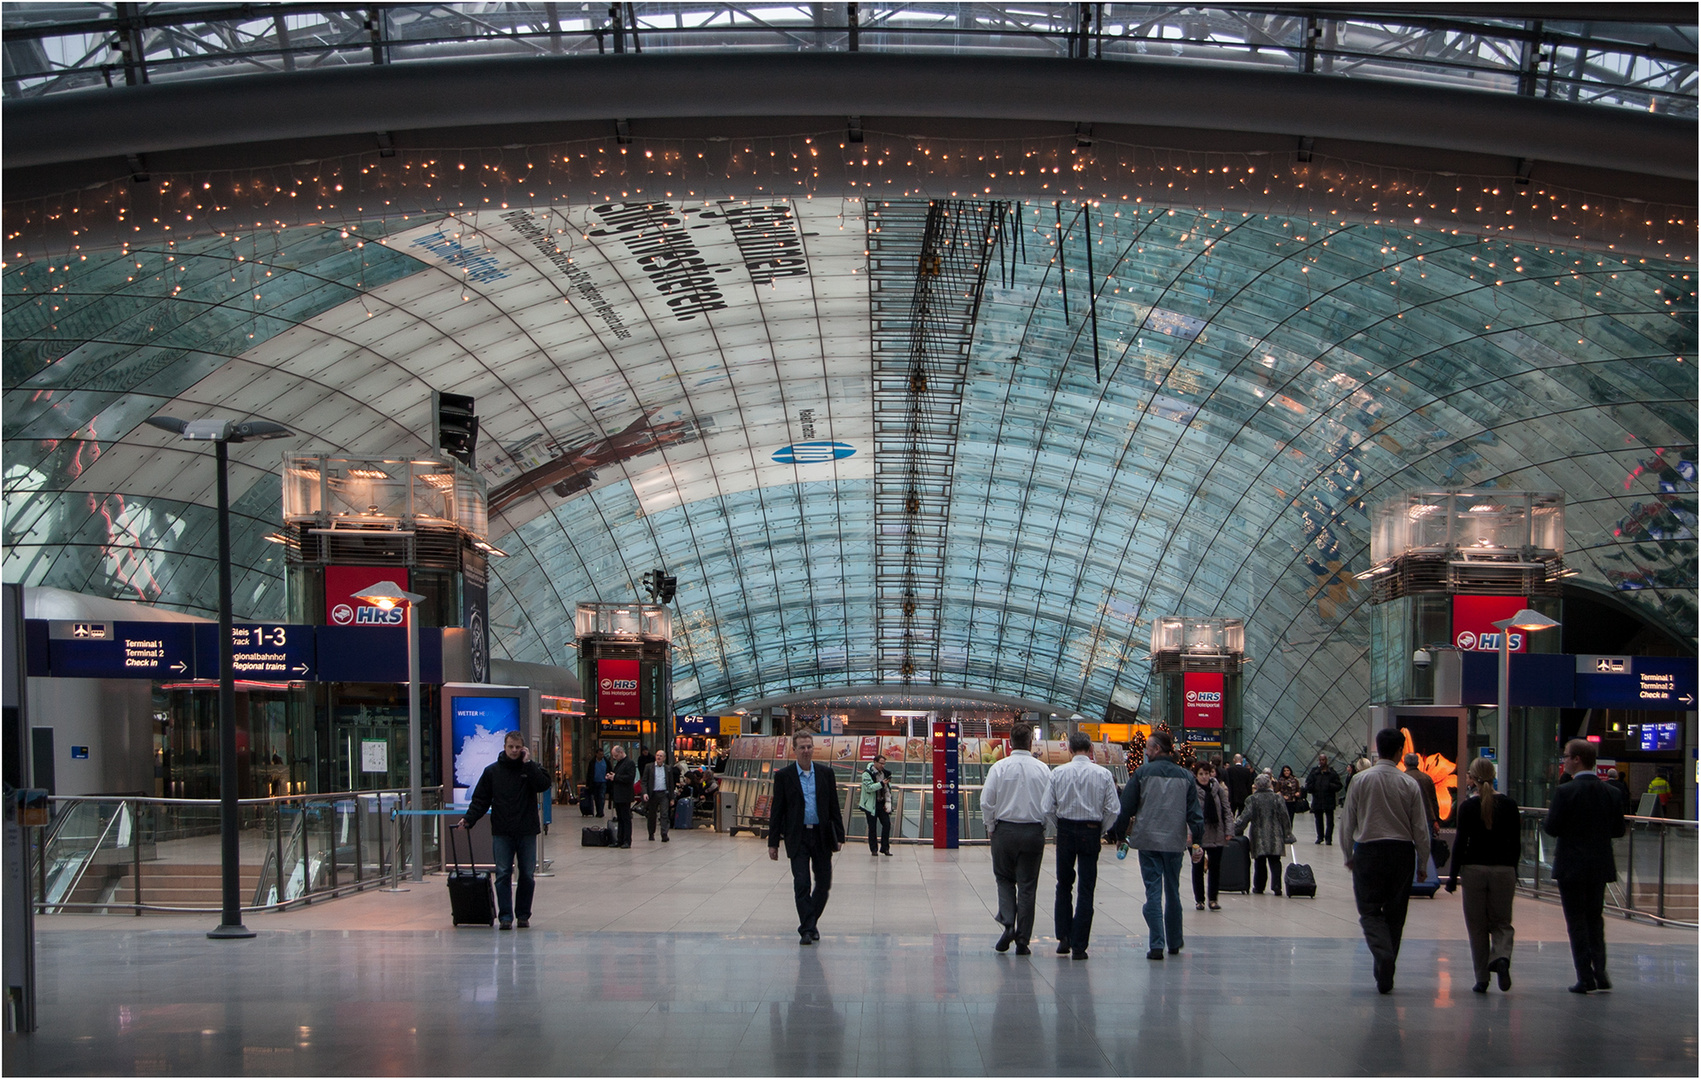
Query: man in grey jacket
point(1161, 800)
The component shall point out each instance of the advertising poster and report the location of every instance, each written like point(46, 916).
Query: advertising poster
point(892, 746)
point(1202, 700)
point(343, 608)
point(1057, 751)
point(617, 688)
point(917, 748)
point(870, 747)
point(1435, 740)
point(476, 732)
point(845, 747)
point(1474, 618)
point(969, 749)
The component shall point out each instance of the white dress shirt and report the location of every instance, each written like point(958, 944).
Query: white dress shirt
point(1017, 789)
point(1084, 790)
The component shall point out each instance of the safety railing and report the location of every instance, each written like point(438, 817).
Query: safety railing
point(1647, 65)
point(118, 853)
point(912, 814)
point(1657, 868)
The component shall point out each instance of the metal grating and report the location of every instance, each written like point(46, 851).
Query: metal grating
point(1411, 575)
point(927, 267)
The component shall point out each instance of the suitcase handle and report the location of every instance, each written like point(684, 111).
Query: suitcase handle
point(455, 859)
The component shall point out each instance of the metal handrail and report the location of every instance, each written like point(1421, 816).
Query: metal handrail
point(318, 882)
point(1535, 871)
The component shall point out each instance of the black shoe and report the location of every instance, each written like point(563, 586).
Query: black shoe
point(664, 838)
point(1023, 950)
point(1384, 977)
point(1198, 905)
point(885, 853)
point(1216, 906)
point(1581, 987)
point(1078, 954)
point(1154, 954)
point(1062, 948)
point(1005, 939)
point(652, 838)
point(873, 854)
point(1174, 950)
point(1328, 843)
point(505, 924)
point(805, 939)
point(1480, 988)
point(1278, 892)
point(1260, 892)
point(814, 934)
point(1601, 983)
point(1503, 968)
point(522, 923)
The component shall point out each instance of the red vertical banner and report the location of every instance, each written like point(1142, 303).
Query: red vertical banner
point(946, 758)
point(617, 688)
point(1202, 699)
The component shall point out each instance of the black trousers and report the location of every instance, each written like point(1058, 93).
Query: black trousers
point(1018, 851)
point(1270, 866)
point(1584, 905)
point(598, 794)
point(1382, 887)
point(1208, 870)
point(1326, 824)
point(814, 856)
point(623, 823)
point(1078, 844)
point(883, 818)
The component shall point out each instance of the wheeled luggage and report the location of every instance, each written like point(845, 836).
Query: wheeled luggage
point(1235, 874)
point(1429, 885)
point(596, 837)
point(682, 810)
point(472, 893)
point(1297, 878)
point(587, 805)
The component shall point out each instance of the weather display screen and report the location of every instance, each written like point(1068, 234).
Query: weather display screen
point(479, 727)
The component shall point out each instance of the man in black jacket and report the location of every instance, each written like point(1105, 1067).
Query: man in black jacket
point(1238, 779)
point(508, 790)
point(622, 778)
point(805, 812)
point(1323, 784)
point(1586, 816)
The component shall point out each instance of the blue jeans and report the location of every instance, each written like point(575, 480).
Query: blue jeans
point(1161, 871)
point(504, 849)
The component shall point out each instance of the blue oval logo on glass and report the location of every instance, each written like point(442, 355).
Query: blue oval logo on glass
point(812, 453)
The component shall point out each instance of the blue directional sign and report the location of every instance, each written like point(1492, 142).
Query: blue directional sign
point(91, 649)
point(1636, 682)
point(271, 651)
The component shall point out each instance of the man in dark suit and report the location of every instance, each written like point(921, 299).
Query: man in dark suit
point(1586, 816)
point(805, 812)
point(1238, 779)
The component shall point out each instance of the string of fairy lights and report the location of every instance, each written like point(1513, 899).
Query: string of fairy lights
point(346, 191)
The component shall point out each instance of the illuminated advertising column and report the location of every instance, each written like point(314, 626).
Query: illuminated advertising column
point(946, 788)
point(1202, 700)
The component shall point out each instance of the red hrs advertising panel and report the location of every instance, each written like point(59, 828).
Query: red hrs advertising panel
point(1202, 697)
point(617, 687)
point(343, 609)
point(1474, 618)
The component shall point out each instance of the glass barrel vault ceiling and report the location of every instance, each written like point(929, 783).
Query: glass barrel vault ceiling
point(689, 385)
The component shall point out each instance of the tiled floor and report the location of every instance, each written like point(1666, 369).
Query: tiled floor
point(682, 960)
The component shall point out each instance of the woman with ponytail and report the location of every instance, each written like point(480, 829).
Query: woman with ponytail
point(1488, 849)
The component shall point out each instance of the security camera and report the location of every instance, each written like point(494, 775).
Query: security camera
point(1420, 658)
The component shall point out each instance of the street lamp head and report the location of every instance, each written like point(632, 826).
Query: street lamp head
point(387, 594)
point(1527, 620)
point(226, 431)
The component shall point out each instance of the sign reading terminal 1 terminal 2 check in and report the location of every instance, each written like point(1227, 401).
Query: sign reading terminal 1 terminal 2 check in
point(617, 688)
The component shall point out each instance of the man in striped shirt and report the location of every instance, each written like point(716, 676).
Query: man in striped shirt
point(1086, 805)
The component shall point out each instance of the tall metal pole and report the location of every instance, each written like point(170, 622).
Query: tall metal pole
point(414, 764)
point(1502, 727)
point(230, 855)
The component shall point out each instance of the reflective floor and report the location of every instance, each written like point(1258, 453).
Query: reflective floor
point(681, 960)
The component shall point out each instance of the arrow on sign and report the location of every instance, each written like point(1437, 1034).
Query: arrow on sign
point(1687, 699)
point(180, 667)
point(299, 668)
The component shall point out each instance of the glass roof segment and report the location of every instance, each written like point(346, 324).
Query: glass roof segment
point(690, 385)
point(53, 48)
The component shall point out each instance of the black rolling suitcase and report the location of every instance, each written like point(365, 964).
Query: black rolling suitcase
point(1297, 878)
point(472, 893)
point(587, 806)
point(1235, 874)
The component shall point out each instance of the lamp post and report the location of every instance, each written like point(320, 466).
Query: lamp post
point(221, 433)
point(387, 595)
point(1528, 621)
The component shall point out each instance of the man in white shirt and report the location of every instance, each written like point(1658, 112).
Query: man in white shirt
point(1385, 836)
point(1084, 799)
point(1015, 802)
